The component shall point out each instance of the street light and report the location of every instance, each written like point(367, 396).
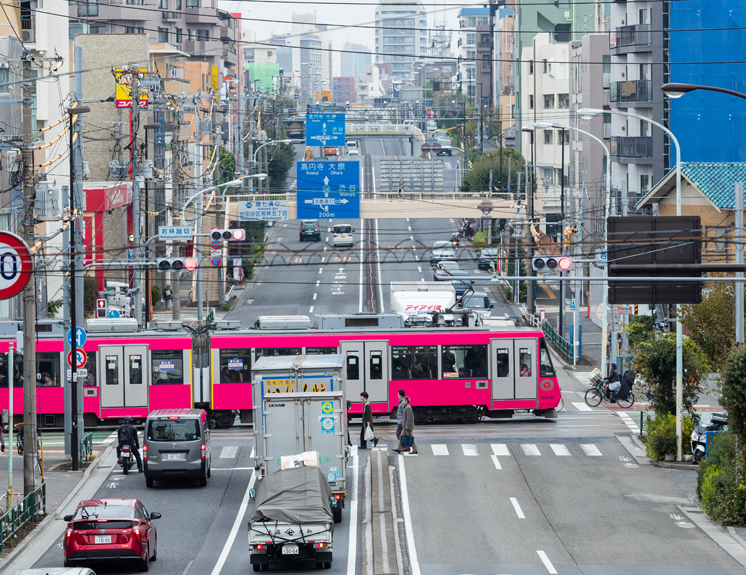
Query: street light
point(674, 90)
point(586, 113)
point(271, 142)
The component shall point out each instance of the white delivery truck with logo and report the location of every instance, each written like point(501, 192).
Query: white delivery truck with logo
point(424, 303)
point(300, 407)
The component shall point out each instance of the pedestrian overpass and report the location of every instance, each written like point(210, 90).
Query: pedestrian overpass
point(406, 205)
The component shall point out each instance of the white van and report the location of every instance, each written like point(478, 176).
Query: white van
point(431, 126)
point(342, 235)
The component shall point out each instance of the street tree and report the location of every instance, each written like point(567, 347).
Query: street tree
point(733, 391)
point(655, 362)
point(478, 178)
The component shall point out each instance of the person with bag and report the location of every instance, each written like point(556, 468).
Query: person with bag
point(407, 444)
point(366, 433)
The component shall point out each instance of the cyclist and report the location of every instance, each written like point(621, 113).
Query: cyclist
point(613, 383)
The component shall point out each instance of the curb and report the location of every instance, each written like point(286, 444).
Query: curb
point(736, 536)
point(51, 517)
point(681, 465)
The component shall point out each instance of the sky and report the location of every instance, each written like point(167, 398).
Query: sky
point(326, 14)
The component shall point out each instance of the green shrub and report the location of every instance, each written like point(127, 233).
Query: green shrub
point(661, 437)
point(155, 295)
point(480, 239)
point(720, 491)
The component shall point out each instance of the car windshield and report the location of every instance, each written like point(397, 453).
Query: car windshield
point(309, 225)
point(475, 302)
point(173, 430)
point(342, 229)
point(437, 245)
point(488, 252)
point(103, 511)
point(450, 266)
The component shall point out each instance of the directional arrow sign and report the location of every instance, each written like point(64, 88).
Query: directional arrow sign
point(325, 129)
point(328, 189)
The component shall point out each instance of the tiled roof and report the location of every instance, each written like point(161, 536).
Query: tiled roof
point(715, 180)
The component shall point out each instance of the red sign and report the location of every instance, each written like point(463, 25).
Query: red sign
point(15, 265)
point(82, 359)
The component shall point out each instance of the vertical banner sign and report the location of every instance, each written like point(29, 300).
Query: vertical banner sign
point(123, 93)
point(215, 81)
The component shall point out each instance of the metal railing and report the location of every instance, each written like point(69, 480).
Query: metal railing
point(632, 147)
point(636, 35)
point(26, 511)
point(86, 447)
point(560, 344)
point(632, 91)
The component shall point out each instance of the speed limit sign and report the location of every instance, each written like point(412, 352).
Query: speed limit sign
point(15, 265)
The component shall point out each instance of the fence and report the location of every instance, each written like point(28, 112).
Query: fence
point(86, 447)
point(26, 511)
point(563, 347)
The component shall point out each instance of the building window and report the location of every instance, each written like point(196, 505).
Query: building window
point(567, 137)
point(192, 3)
point(485, 39)
point(98, 29)
point(141, 30)
point(549, 101)
point(163, 4)
point(531, 67)
point(269, 53)
point(4, 79)
point(128, 29)
point(562, 32)
point(179, 35)
point(606, 71)
point(178, 4)
point(486, 62)
point(203, 34)
point(547, 136)
point(547, 67)
point(470, 39)
point(163, 34)
point(531, 101)
point(644, 184)
point(88, 8)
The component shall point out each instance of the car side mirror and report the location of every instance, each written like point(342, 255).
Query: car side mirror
point(252, 493)
point(67, 518)
point(155, 515)
point(353, 230)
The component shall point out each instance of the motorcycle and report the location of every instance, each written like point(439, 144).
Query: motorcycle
point(717, 422)
point(126, 458)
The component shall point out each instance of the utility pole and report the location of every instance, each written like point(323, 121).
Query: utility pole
point(80, 205)
point(530, 300)
point(198, 180)
point(136, 274)
point(561, 321)
point(739, 260)
point(29, 292)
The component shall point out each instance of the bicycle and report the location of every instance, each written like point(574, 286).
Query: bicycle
point(596, 394)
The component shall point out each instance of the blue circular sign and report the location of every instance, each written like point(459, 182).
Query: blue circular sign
point(216, 260)
point(114, 314)
point(216, 245)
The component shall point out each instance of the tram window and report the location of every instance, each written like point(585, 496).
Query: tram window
point(112, 370)
point(503, 362)
point(136, 369)
point(464, 361)
point(321, 350)
point(48, 369)
point(167, 367)
point(235, 365)
point(414, 362)
point(376, 365)
point(276, 351)
point(352, 362)
point(17, 370)
point(524, 359)
point(90, 379)
point(547, 369)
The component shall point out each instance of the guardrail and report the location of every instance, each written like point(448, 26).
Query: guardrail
point(563, 347)
point(86, 447)
point(23, 513)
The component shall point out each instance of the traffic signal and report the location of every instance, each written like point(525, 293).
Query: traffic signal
point(552, 263)
point(177, 264)
point(236, 235)
point(101, 307)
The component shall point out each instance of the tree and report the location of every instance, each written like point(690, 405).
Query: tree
point(640, 329)
point(711, 324)
point(478, 178)
point(226, 166)
point(733, 391)
point(280, 158)
point(655, 361)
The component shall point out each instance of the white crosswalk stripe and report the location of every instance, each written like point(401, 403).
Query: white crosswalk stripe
point(530, 449)
point(629, 422)
point(469, 449)
point(560, 449)
point(440, 449)
point(500, 449)
point(590, 450)
point(582, 406)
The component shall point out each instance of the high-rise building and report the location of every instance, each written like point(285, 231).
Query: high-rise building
point(401, 35)
point(468, 20)
point(354, 60)
point(343, 90)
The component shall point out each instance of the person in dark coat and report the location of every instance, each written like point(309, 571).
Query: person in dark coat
point(408, 425)
point(367, 421)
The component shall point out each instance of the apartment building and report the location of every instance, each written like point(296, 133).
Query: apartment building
point(343, 90)
point(354, 60)
point(468, 20)
point(401, 35)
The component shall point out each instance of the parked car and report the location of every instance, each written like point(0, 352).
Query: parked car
point(488, 259)
point(442, 254)
point(310, 229)
point(353, 152)
point(176, 444)
point(441, 269)
point(111, 530)
point(342, 235)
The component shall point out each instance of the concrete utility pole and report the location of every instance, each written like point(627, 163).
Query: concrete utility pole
point(80, 204)
point(198, 183)
point(136, 274)
point(739, 260)
point(563, 291)
point(29, 292)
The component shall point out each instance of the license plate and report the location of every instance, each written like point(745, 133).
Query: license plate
point(102, 539)
point(289, 549)
point(173, 456)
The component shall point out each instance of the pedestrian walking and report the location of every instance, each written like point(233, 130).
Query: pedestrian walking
point(400, 414)
point(366, 435)
point(407, 431)
point(401, 189)
point(168, 294)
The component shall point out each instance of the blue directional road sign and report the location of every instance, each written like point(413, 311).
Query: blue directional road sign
point(328, 190)
point(80, 336)
point(114, 314)
point(325, 129)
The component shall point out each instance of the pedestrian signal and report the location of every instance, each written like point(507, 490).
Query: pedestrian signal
point(101, 307)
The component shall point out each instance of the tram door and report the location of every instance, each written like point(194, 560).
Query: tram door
point(366, 369)
point(123, 376)
point(514, 364)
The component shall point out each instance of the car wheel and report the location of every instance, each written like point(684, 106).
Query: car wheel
point(337, 514)
point(209, 471)
point(327, 564)
point(145, 565)
point(149, 482)
point(155, 550)
point(257, 567)
point(265, 567)
point(203, 480)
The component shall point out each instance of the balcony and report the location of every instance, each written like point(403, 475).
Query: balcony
point(631, 147)
point(28, 29)
point(170, 16)
point(624, 39)
point(227, 33)
point(632, 91)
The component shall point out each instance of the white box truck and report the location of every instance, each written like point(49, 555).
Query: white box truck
point(300, 406)
point(419, 302)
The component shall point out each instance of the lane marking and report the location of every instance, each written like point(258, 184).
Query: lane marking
point(547, 563)
point(469, 449)
point(590, 450)
point(352, 551)
point(228, 452)
point(500, 449)
point(231, 468)
point(414, 564)
point(496, 462)
point(530, 449)
point(310, 310)
point(360, 283)
point(409, 228)
point(378, 264)
point(237, 523)
point(560, 449)
point(411, 238)
point(517, 508)
point(326, 248)
point(321, 270)
point(383, 147)
point(384, 540)
point(440, 449)
point(582, 406)
point(407, 219)
point(419, 269)
point(422, 279)
point(549, 292)
point(314, 299)
point(318, 282)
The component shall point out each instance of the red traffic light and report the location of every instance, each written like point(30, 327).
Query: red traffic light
point(239, 234)
point(564, 264)
point(190, 264)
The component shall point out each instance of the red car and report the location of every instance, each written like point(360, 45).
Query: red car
point(111, 530)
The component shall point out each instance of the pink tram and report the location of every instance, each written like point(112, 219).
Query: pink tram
point(129, 372)
point(450, 374)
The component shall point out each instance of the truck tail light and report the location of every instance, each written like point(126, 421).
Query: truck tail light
point(259, 546)
point(337, 496)
point(320, 545)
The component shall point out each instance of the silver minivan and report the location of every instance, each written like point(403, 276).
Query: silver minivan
point(176, 444)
